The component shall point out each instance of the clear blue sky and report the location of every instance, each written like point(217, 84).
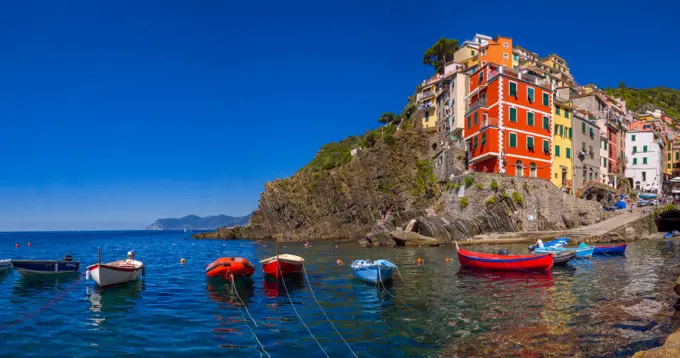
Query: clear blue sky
point(115, 113)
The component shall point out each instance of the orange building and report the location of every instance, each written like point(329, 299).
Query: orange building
point(498, 51)
point(508, 123)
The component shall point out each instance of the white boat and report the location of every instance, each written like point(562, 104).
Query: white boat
point(117, 272)
point(5, 265)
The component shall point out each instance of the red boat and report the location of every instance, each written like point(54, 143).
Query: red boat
point(226, 267)
point(504, 262)
point(282, 265)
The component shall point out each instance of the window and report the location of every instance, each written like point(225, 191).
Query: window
point(633, 138)
point(668, 166)
point(669, 156)
point(481, 76)
point(532, 169)
point(530, 119)
point(634, 161)
point(519, 169)
point(514, 57)
point(583, 127)
point(568, 153)
point(644, 148)
point(644, 176)
point(557, 110)
point(530, 95)
point(634, 149)
point(583, 146)
point(644, 160)
point(486, 119)
point(513, 89)
point(546, 99)
point(669, 146)
point(530, 144)
point(469, 122)
point(546, 146)
point(557, 150)
point(677, 155)
point(546, 123)
point(474, 142)
point(505, 55)
point(591, 149)
point(513, 114)
point(571, 134)
point(604, 162)
point(513, 140)
point(476, 119)
point(566, 113)
point(592, 132)
point(561, 131)
point(605, 144)
point(505, 45)
point(483, 138)
point(472, 52)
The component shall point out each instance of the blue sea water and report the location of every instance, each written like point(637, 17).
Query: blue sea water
point(609, 306)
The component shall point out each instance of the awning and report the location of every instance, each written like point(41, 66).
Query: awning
point(675, 191)
point(675, 180)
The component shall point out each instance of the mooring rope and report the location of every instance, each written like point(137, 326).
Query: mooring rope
point(233, 286)
point(309, 284)
point(45, 306)
point(380, 280)
point(296, 311)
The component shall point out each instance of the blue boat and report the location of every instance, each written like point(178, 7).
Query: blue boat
point(561, 241)
point(373, 271)
point(582, 252)
point(672, 234)
point(647, 196)
point(618, 249)
point(46, 267)
point(5, 265)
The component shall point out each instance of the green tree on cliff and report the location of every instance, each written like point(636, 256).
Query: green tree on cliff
point(387, 117)
point(440, 53)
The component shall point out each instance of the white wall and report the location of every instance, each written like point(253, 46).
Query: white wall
point(654, 167)
point(460, 87)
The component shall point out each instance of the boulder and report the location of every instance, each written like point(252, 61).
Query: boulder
point(671, 348)
point(406, 238)
point(630, 234)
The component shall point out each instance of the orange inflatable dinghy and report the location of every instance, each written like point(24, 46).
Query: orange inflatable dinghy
point(228, 266)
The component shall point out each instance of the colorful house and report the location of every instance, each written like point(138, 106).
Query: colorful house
point(509, 123)
point(563, 154)
point(498, 51)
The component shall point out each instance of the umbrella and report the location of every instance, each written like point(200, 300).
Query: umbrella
point(675, 180)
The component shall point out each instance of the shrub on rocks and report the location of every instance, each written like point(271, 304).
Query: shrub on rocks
point(463, 202)
point(518, 198)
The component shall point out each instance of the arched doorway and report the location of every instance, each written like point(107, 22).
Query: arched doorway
point(532, 170)
point(519, 169)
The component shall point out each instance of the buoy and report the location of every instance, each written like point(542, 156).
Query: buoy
point(182, 261)
point(29, 244)
point(339, 262)
point(448, 259)
point(16, 245)
point(419, 261)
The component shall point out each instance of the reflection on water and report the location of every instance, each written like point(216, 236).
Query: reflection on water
point(607, 306)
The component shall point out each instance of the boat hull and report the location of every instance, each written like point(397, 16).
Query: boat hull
point(45, 267)
point(563, 257)
point(5, 265)
point(106, 275)
point(494, 262)
point(610, 250)
point(227, 267)
point(373, 272)
point(287, 268)
point(580, 252)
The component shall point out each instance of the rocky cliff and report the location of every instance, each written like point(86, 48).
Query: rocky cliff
point(345, 202)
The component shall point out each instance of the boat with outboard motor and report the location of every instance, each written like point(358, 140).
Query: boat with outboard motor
point(504, 262)
point(116, 272)
point(373, 271)
point(226, 267)
point(46, 267)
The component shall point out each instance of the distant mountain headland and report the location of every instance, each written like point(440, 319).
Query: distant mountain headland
point(193, 222)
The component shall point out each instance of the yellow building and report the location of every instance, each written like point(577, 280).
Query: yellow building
point(556, 63)
point(427, 102)
point(467, 55)
point(563, 154)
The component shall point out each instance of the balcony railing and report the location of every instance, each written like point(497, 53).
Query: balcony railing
point(481, 102)
point(422, 96)
point(489, 122)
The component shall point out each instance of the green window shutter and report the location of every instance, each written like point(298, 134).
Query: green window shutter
point(557, 129)
point(634, 149)
point(546, 99)
point(605, 144)
point(546, 146)
point(557, 150)
point(513, 89)
point(546, 123)
point(669, 156)
point(634, 161)
point(561, 131)
point(644, 148)
point(677, 155)
point(469, 122)
point(513, 114)
point(633, 140)
point(474, 142)
point(557, 110)
point(530, 142)
point(513, 140)
point(476, 118)
point(481, 76)
point(566, 113)
point(604, 162)
point(644, 160)
point(530, 95)
point(571, 134)
point(568, 153)
point(583, 127)
point(483, 138)
point(530, 119)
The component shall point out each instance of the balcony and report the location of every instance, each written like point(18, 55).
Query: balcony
point(480, 102)
point(489, 122)
point(424, 96)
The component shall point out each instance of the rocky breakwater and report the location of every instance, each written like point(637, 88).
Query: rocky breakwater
point(478, 204)
point(344, 202)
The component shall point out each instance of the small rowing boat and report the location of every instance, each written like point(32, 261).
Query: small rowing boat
point(582, 252)
point(116, 272)
point(497, 262)
point(373, 271)
point(618, 249)
point(226, 267)
point(563, 257)
point(282, 265)
point(46, 267)
point(5, 265)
